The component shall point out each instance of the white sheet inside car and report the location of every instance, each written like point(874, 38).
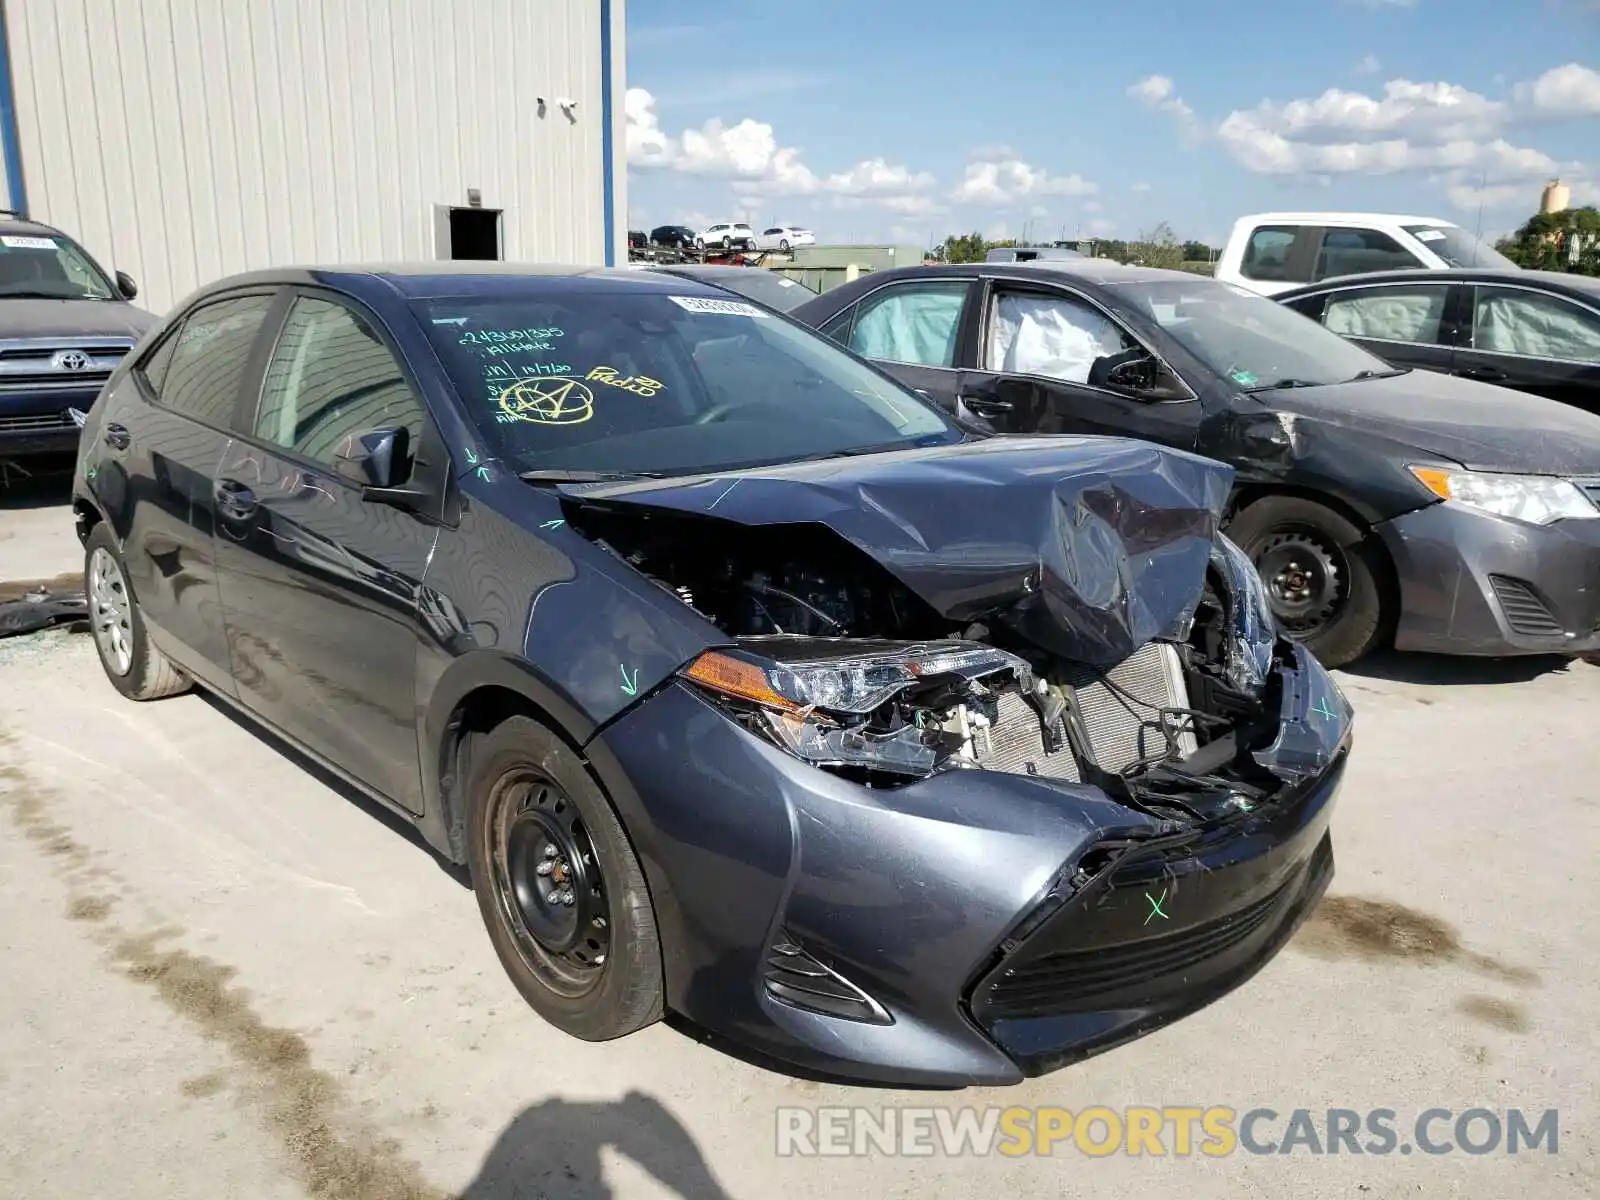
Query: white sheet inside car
point(1391, 316)
point(1041, 335)
point(1528, 323)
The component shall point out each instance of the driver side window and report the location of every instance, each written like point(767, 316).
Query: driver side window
point(1057, 336)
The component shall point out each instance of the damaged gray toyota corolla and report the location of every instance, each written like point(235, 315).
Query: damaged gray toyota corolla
point(747, 685)
point(1005, 764)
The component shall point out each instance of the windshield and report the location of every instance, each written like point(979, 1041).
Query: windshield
point(759, 284)
point(638, 382)
point(1457, 247)
point(48, 268)
point(1254, 342)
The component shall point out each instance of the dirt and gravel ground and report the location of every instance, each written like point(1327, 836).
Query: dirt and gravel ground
point(226, 978)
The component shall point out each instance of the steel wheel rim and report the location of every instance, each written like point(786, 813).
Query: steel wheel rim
point(548, 883)
point(110, 612)
point(1305, 577)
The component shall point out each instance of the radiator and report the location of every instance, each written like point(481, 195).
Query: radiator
point(1117, 738)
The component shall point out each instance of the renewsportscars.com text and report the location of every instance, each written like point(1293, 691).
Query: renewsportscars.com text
point(1177, 1131)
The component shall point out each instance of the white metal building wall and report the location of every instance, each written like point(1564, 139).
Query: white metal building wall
point(183, 140)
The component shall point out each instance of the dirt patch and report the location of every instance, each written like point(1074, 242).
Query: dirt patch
point(59, 585)
point(205, 1085)
point(89, 908)
point(1499, 1014)
point(337, 1156)
point(1357, 927)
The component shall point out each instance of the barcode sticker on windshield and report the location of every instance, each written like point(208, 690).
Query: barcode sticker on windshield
point(1430, 235)
point(727, 308)
point(29, 243)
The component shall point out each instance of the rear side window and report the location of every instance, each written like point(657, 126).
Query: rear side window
point(913, 323)
point(1532, 324)
point(1266, 254)
point(1405, 313)
point(1360, 252)
point(154, 367)
point(209, 358)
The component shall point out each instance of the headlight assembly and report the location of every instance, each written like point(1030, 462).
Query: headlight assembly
point(1537, 499)
point(826, 702)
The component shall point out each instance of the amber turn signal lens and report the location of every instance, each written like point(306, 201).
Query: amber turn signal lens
point(735, 677)
point(1435, 480)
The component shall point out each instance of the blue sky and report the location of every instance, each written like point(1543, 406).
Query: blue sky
point(909, 121)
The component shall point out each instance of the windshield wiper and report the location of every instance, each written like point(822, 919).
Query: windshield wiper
point(1360, 375)
point(36, 295)
point(1283, 383)
point(586, 476)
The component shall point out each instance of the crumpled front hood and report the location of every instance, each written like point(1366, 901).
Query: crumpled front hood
point(1478, 425)
point(1087, 547)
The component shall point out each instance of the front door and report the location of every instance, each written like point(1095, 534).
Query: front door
point(1535, 342)
point(321, 585)
point(1040, 347)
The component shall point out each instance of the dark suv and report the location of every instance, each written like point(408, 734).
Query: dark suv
point(64, 324)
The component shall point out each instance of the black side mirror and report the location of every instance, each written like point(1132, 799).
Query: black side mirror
point(126, 285)
point(1130, 371)
point(379, 462)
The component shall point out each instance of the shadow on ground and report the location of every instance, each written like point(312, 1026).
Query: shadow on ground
point(1444, 670)
point(44, 482)
point(554, 1150)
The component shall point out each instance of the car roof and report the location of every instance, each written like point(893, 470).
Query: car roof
point(1557, 280)
point(417, 281)
point(1105, 271)
point(12, 223)
point(1314, 218)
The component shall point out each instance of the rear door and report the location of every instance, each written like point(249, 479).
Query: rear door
point(320, 584)
point(1533, 341)
point(913, 329)
point(163, 433)
point(1037, 349)
point(1412, 324)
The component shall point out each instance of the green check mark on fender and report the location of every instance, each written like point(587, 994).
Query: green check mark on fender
point(1155, 907)
point(630, 686)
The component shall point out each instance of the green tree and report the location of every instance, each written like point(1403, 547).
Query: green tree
point(961, 248)
point(1197, 252)
point(1562, 241)
point(1158, 247)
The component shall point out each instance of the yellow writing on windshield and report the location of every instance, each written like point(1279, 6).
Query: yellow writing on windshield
point(549, 401)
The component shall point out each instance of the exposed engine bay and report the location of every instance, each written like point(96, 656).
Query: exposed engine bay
point(839, 663)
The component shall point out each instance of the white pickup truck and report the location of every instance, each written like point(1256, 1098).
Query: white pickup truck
point(1273, 252)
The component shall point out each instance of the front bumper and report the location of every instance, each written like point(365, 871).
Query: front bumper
point(1475, 584)
point(929, 898)
point(36, 422)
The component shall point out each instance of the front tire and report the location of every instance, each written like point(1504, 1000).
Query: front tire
point(783, 246)
point(560, 889)
point(132, 663)
point(1324, 575)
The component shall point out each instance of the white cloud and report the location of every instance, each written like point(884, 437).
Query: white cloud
point(1159, 94)
point(1369, 65)
point(1141, 187)
point(1569, 91)
point(748, 154)
point(1008, 180)
point(1091, 206)
point(1469, 143)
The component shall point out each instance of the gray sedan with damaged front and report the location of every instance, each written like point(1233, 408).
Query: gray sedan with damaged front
point(746, 684)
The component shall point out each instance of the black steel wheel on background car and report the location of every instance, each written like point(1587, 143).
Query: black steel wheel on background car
point(1322, 572)
point(561, 891)
point(132, 663)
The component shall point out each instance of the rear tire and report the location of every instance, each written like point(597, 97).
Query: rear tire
point(783, 246)
point(132, 663)
point(560, 889)
point(1324, 575)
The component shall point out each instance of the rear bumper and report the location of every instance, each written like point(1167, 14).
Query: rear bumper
point(1475, 584)
point(932, 898)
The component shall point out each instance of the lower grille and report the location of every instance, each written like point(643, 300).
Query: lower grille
point(36, 423)
point(1525, 612)
point(1088, 980)
point(795, 977)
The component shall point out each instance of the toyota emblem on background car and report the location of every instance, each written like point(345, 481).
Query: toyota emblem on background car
point(70, 360)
